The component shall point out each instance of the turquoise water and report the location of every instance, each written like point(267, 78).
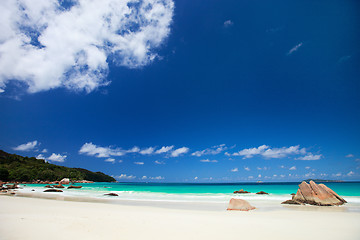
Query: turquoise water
point(198, 192)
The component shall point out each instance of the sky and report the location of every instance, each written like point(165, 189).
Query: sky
point(182, 91)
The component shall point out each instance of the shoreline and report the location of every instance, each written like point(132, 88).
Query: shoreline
point(262, 205)
point(35, 218)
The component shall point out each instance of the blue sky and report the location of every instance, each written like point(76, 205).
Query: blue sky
point(182, 91)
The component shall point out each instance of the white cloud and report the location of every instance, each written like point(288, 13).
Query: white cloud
point(111, 160)
point(283, 152)
point(282, 166)
point(292, 168)
point(250, 177)
point(274, 175)
point(295, 48)
point(120, 161)
point(336, 175)
point(309, 175)
point(2, 90)
point(26, 146)
point(307, 167)
point(56, 158)
point(310, 157)
point(179, 151)
point(157, 178)
point(135, 149)
point(208, 161)
point(195, 178)
point(259, 168)
point(124, 176)
point(267, 152)
point(139, 163)
point(44, 150)
point(235, 170)
point(147, 151)
point(91, 149)
point(144, 177)
point(159, 162)
point(349, 155)
point(351, 173)
point(164, 149)
point(259, 176)
point(228, 23)
point(45, 46)
point(247, 168)
point(250, 152)
point(40, 156)
point(210, 151)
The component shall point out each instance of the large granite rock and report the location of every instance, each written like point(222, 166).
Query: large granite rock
point(65, 181)
point(239, 205)
point(241, 191)
point(315, 194)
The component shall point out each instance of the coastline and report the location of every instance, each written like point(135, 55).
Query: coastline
point(34, 218)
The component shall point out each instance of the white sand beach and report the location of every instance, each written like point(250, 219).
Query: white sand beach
point(34, 218)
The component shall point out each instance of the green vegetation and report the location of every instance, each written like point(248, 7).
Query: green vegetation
point(17, 168)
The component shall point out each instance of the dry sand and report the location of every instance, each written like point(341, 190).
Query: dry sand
point(34, 218)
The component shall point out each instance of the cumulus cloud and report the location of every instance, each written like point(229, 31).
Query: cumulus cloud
point(26, 146)
point(235, 170)
point(111, 160)
point(195, 178)
point(139, 163)
point(210, 151)
point(124, 176)
point(46, 45)
point(56, 157)
point(147, 151)
point(209, 161)
point(159, 162)
point(292, 168)
point(349, 155)
point(294, 49)
point(267, 152)
point(164, 149)
point(144, 177)
point(135, 149)
point(310, 157)
point(179, 151)
point(336, 174)
point(40, 156)
point(351, 173)
point(157, 178)
point(247, 168)
point(91, 149)
point(307, 167)
point(228, 23)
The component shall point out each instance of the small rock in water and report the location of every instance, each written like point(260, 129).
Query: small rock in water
point(241, 191)
point(111, 194)
point(261, 192)
point(53, 190)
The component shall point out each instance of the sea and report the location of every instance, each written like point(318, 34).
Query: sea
point(203, 194)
